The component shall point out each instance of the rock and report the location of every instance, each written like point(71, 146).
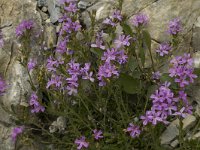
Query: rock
point(172, 130)
point(44, 9)
point(162, 11)
point(54, 10)
point(170, 133)
point(196, 36)
point(44, 16)
point(131, 7)
point(174, 143)
point(103, 8)
point(197, 135)
point(13, 12)
point(58, 125)
point(83, 4)
point(42, 3)
point(50, 35)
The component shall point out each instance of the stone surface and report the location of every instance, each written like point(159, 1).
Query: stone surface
point(172, 130)
point(83, 4)
point(50, 35)
point(103, 8)
point(41, 3)
point(12, 13)
point(54, 10)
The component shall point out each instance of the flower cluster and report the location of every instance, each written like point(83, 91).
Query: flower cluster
point(15, 132)
point(35, 105)
point(164, 104)
point(109, 69)
point(182, 70)
point(114, 18)
point(174, 26)
point(23, 27)
point(164, 49)
point(75, 71)
point(140, 20)
point(3, 86)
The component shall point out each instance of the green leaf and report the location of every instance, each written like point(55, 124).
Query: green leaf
point(127, 29)
point(130, 85)
point(132, 63)
point(147, 39)
point(97, 51)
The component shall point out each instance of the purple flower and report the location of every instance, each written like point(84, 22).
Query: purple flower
point(109, 55)
point(122, 41)
point(117, 15)
point(62, 46)
point(36, 107)
point(86, 74)
point(81, 143)
point(99, 41)
point(3, 86)
point(23, 27)
point(133, 130)
point(140, 20)
point(182, 70)
point(174, 26)
point(55, 80)
point(31, 64)
point(156, 75)
point(109, 21)
point(52, 64)
point(164, 49)
point(15, 132)
point(121, 57)
point(71, 8)
point(106, 71)
point(181, 113)
point(97, 134)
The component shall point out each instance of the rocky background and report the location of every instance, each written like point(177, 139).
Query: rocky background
point(46, 14)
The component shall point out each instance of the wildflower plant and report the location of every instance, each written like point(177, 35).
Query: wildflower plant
point(103, 87)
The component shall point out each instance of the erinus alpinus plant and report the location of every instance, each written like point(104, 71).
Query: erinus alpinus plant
point(94, 90)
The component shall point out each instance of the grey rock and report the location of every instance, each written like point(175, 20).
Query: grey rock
point(174, 143)
point(50, 35)
point(103, 9)
point(54, 10)
point(41, 3)
point(172, 130)
point(83, 4)
point(44, 9)
point(162, 11)
point(196, 35)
